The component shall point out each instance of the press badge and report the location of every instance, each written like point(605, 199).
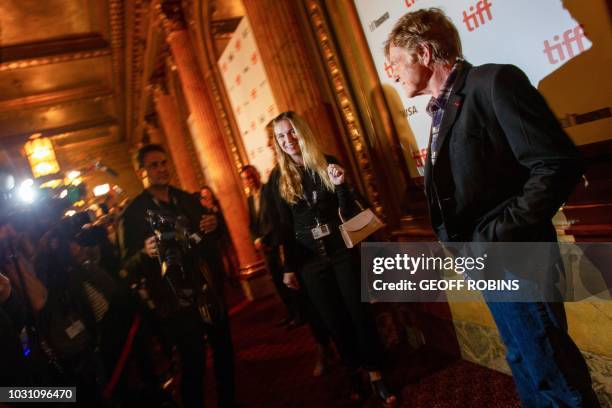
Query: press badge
point(75, 329)
point(320, 231)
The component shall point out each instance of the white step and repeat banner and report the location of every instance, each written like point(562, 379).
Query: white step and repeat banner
point(250, 95)
point(537, 36)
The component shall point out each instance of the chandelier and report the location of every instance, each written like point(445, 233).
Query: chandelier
point(41, 156)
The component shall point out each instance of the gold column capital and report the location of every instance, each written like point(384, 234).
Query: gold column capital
point(157, 85)
point(170, 16)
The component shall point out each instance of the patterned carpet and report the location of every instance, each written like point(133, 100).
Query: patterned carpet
point(274, 369)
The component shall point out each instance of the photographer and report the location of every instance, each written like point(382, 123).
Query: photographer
point(176, 295)
point(22, 297)
point(85, 323)
point(10, 351)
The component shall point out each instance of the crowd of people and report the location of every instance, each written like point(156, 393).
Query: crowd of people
point(80, 308)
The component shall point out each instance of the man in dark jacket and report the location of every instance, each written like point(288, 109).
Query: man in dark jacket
point(265, 240)
point(183, 299)
point(499, 167)
point(10, 350)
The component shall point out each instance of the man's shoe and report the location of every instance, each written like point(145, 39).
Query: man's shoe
point(321, 367)
point(386, 397)
point(324, 358)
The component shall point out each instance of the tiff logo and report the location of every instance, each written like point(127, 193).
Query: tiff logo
point(477, 18)
point(571, 36)
point(420, 157)
point(388, 70)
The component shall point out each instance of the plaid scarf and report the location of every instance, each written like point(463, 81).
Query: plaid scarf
point(435, 109)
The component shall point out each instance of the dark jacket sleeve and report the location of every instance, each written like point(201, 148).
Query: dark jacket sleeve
point(286, 237)
point(253, 233)
point(346, 196)
point(131, 237)
point(267, 215)
point(280, 224)
point(538, 143)
point(349, 201)
point(130, 246)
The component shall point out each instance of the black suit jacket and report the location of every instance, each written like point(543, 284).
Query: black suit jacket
point(261, 224)
point(133, 229)
point(504, 164)
point(255, 221)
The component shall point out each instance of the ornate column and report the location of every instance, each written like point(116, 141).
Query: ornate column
point(209, 141)
point(154, 135)
point(170, 119)
point(290, 68)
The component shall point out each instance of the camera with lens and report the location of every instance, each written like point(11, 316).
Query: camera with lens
point(179, 260)
point(173, 239)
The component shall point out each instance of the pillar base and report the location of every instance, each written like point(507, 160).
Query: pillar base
point(256, 281)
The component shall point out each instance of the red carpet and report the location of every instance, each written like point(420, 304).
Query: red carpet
point(274, 369)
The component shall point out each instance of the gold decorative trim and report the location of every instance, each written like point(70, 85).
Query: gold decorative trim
point(138, 18)
point(348, 110)
point(254, 269)
point(116, 20)
point(25, 112)
point(227, 130)
point(212, 77)
point(158, 84)
point(171, 17)
point(57, 98)
point(55, 59)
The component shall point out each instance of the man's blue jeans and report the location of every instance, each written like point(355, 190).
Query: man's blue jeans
point(548, 368)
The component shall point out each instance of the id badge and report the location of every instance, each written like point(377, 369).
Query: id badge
point(320, 231)
point(75, 329)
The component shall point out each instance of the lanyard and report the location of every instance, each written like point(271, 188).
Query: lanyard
point(314, 196)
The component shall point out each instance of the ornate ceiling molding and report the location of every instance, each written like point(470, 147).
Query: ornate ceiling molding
point(58, 98)
point(138, 19)
point(18, 139)
point(54, 59)
point(116, 21)
point(48, 48)
point(73, 140)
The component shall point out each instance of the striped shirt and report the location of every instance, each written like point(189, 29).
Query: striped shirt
point(98, 302)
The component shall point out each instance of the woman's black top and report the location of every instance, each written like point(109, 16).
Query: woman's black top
point(296, 221)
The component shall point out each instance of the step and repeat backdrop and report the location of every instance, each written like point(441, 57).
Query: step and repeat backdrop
point(537, 36)
point(250, 95)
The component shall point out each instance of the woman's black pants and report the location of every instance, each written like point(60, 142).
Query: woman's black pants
point(333, 285)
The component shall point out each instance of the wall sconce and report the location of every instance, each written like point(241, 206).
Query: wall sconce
point(41, 156)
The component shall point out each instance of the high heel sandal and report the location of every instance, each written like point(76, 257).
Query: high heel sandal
point(380, 390)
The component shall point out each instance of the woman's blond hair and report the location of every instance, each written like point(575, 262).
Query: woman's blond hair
point(290, 182)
